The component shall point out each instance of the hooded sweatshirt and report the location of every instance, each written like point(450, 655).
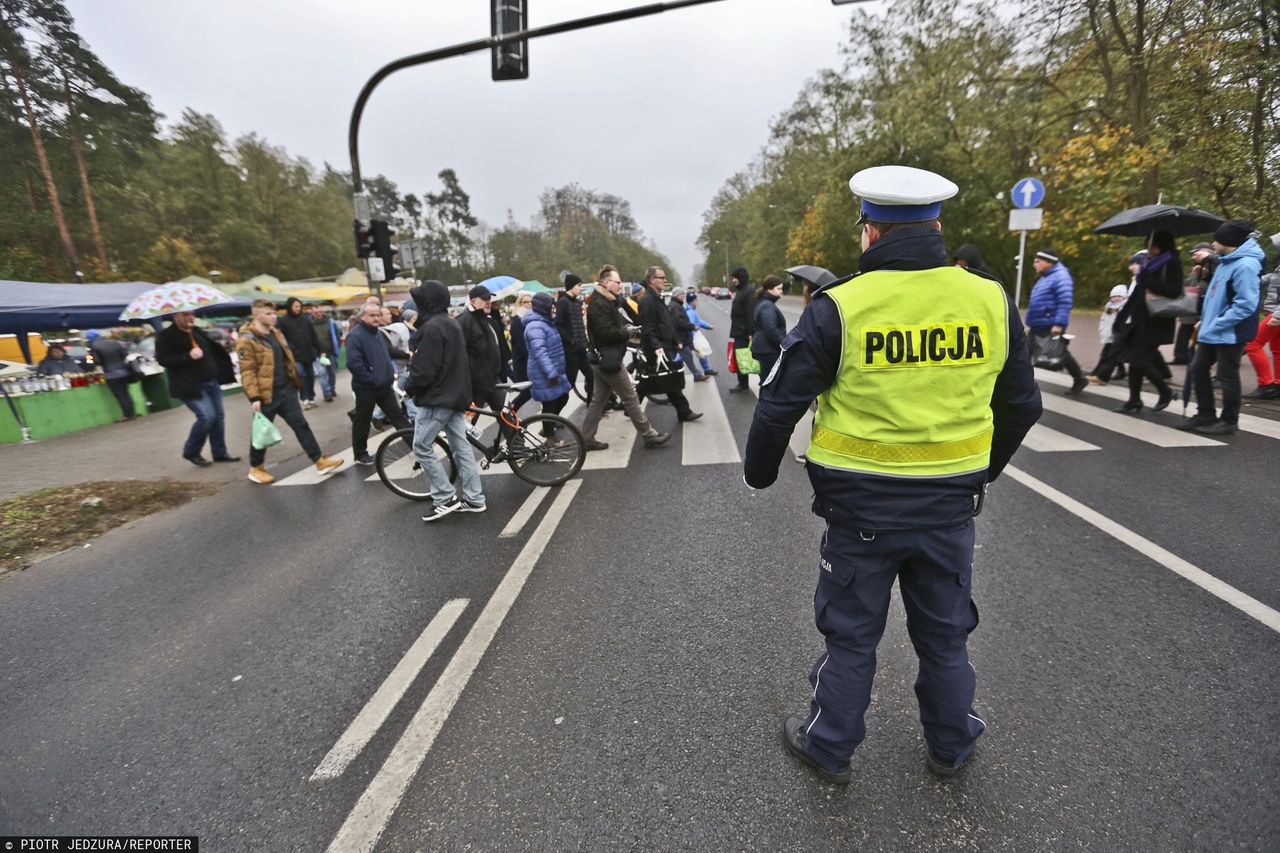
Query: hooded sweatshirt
point(300, 333)
point(740, 324)
point(1230, 313)
point(439, 375)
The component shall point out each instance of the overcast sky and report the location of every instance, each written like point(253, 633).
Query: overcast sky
point(659, 110)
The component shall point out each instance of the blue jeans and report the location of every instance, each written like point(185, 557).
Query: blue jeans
point(430, 421)
point(210, 422)
point(328, 376)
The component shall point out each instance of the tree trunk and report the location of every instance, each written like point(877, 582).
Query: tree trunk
point(77, 149)
point(54, 203)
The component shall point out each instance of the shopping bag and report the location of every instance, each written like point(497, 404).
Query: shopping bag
point(747, 363)
point(1050, 352)
point(701, 345)
point(265, 433)
point(732, 359)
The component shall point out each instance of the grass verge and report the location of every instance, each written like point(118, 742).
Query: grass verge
point(55, 519)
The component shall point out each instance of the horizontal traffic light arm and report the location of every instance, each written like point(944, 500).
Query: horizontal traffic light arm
point(353, 133)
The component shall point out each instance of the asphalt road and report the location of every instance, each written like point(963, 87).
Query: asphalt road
point(619, 668)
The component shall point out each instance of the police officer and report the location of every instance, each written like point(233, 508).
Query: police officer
point(924, 391)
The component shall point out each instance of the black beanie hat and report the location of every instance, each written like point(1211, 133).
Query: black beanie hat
point(570, 280)
point(1233, 233)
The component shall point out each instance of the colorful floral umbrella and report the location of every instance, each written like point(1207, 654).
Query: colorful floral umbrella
point(173, 297)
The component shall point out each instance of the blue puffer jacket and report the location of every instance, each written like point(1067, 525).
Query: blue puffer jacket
point(1230, 313)
point(1051, 298)
point(546, 358)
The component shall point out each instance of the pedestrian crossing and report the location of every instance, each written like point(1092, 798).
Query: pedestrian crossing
point(715, 440)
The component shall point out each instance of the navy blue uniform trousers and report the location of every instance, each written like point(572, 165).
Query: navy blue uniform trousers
point(856, 572)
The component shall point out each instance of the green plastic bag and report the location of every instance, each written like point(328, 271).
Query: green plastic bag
point(747, 364)
point(265, 433)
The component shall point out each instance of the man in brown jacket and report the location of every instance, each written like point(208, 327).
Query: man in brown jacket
point(270, 380)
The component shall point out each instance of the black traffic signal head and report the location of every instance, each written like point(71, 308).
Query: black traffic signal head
point(364, 238)
point(388, 251)
point(510, 61)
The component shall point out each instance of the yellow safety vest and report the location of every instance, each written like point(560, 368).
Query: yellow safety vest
point(919, 359)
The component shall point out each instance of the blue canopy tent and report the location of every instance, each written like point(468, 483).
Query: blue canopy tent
point(28, 306)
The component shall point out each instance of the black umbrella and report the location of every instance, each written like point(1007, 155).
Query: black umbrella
point(816, 276)
point(1145, 220)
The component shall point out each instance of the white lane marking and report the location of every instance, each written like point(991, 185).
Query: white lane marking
point(379, 706)
point(525, 512)
point(708, 440)
point(1147, 548)
point(619, 433)
point(1133, 427)
point(367, 820)
point(309, 476)
point(1248, 423)
point(1044, 440)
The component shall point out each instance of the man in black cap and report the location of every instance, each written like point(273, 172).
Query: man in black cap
point(571, 324)
point(1049, 311)
point(740, 318)
point(483, 353)
point(1228, 321)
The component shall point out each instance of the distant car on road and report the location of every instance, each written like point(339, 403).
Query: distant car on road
point(705, 291)
point(721, 293)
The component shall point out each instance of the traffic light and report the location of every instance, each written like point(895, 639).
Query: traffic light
point(510, 61)
point(364, 238)
point(383, 248)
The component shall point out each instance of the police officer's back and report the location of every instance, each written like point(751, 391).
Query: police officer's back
point(924, 392)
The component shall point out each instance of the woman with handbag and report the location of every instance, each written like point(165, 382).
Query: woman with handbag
point(547, 369)
point(1160, 276)
point(770, 326)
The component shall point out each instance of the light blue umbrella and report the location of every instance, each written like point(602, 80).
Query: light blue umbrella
point(501, 285)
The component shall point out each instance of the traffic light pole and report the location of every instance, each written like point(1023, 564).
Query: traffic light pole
point(353, 134)
point(363, 210)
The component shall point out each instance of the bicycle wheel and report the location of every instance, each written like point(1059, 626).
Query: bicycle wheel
point(546, 461)
point(401, 472)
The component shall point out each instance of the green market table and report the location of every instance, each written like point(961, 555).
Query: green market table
point(70, 410)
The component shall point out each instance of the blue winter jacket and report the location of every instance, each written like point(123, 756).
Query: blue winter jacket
point(1230, 312)
point(1051, 298)
point(546, 358)
point(692, 314)
point(368, 359)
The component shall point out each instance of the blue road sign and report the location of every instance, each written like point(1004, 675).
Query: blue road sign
point(1027, 192)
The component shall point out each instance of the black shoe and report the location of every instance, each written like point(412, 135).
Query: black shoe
point(329, 399)
point(692, 416)
point(1077, 387)
point(468, 506)
point(712, 373)
point(736, 388)
point(197, 460)
point(797, 741)
point(227, 458)
point(1196, 421)
point(378, 424)
point(1130, 406)
point(592, 444)
point(439, 511)
point(1264, 392)
point(1215, 428)
point(364, 458)
point(1166, 397)
point(942, 769)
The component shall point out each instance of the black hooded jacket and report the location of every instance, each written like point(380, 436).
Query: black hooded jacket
point(300, 333)
point(438, 372)
point(740, 325)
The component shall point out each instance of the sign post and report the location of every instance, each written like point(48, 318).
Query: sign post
point(1027, 194)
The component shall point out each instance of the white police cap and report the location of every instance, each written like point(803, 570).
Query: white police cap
point(901, 193)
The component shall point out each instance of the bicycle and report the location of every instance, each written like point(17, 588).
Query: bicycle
point(535, 458)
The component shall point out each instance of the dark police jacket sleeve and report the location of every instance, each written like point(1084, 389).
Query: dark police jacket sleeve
point(807, 368)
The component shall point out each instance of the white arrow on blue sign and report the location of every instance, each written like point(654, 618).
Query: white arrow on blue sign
point(1027, 192)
